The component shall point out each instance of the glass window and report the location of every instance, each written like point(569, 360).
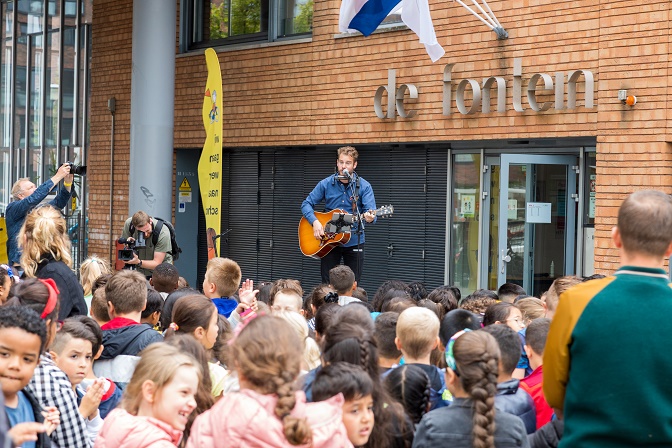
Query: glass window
point(295, 17)
point(220, 22)
point(6, 75)
point(466, 191)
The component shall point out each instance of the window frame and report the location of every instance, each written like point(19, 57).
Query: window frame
point(191, 9)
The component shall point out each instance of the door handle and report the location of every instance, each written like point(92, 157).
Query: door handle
point(390, 248)
point(505, 259)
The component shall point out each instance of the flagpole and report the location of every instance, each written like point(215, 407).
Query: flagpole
point(475, 14)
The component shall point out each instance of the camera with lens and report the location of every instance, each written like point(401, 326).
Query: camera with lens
point(130, 244)
point(80, 170)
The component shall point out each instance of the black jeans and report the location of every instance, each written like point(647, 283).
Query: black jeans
point(350, 256)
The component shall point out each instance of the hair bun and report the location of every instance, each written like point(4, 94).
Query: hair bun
point(173, 326)
point(331, 297)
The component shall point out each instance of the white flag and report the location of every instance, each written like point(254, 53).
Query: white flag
point(415, 14)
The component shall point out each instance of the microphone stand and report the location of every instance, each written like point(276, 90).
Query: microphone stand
point(354, 190)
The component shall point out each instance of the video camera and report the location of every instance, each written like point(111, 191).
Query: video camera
point(131, 244)
point(80, 170)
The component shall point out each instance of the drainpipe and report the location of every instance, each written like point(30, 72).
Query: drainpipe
point(112, 107)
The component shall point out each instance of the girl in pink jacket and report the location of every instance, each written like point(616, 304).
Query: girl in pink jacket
point(156, 403)
point(268, 412)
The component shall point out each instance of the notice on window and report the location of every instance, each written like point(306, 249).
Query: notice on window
point(512, 210)
point(468, 205)
point(538, 213)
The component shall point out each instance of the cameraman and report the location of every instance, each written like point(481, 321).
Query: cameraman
point(146, 259)
point(26, 197)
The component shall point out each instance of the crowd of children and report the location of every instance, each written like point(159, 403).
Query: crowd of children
point(157, 364)
point(414, 368)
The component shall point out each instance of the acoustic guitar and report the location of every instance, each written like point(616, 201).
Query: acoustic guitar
point(337, 224)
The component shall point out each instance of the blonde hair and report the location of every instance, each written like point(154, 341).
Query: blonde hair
point(287, 286)
point(90, 270)
point(349, 151)
point(559, 285)
point(225, 274)
point(532, 308)
point(44, 232)
point(311, 351)
point(417, 330)
point(16, 188)
point(158, 363)
point(267, 354)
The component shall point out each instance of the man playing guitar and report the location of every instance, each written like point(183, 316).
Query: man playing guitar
point(344, 190)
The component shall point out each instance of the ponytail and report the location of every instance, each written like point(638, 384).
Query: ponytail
point(267, 352)
point(296, 430)
point(476, 358)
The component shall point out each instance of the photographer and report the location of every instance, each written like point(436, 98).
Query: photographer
point(26, 197)
point(146, 258)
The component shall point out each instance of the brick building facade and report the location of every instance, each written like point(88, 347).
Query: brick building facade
point(318, 92)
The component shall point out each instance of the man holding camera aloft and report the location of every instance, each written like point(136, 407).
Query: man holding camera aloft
point(146, 258)
point(26, 197)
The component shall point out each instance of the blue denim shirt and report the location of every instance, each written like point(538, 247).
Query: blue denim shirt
point(336, 194)
point(17, 211)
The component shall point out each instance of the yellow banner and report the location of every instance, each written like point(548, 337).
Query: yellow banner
point(210, 164)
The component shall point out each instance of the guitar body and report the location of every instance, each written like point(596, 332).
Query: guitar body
point(314, 248)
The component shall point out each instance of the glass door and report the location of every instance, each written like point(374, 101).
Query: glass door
point(537, 220)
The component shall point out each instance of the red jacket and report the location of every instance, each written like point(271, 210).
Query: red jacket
point(532, 384)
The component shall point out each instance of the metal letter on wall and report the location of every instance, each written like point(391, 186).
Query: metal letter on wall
point(532, 91)
point(459, 96)
point(572, 78)
point(378, 97)
point(518, 84)
point(412, 93)
point(501, 94)
point(447, 88)
point(559, 90)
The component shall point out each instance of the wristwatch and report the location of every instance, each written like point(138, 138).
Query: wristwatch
point(140, 264)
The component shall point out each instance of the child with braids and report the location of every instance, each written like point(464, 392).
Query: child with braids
point(350, 339)
point(471, 421)
point(410, 386)
point(267, 411)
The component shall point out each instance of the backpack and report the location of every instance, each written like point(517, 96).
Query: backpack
point(175, 249)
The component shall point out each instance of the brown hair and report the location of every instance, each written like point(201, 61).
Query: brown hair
point(158, 363)
point(33, 294)
point(191, 312)
point(139, 219)
point(44, 232)
point(477, 357)
point(348, 151)
point(286, 286)
point(559, 285)
point(342, 279)
point(445, 298)
point(417, 330)
point(318, 295)
point(99, 308)
point(536, 334)
point(267, 354)
point(645, 222)
point(127, 291)
point(221, 350)
point(225, 274)
point(204, 400)
point(73, 329)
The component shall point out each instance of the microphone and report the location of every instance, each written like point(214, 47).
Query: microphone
point(346, 175)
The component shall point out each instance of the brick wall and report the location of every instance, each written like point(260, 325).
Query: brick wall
point(110, 77)
point(321, 92)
